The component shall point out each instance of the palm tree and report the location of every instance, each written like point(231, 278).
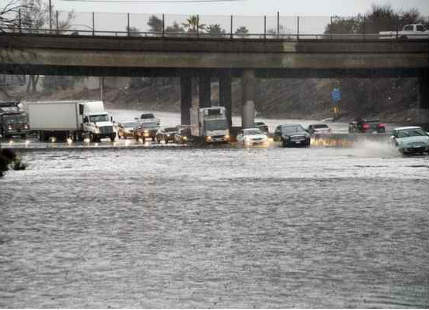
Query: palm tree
point(193, 24)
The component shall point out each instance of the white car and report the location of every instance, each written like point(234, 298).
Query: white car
point(252, 136)
point(410, 139)
point(318, 129)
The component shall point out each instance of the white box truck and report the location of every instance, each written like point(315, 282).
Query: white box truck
point(210, 124)
point(70, 119)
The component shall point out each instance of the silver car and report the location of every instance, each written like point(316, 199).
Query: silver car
point(410, 139)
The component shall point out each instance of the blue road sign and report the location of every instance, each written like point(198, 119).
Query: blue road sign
point(336, 95)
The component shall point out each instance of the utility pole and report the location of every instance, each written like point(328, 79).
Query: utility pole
point(50, 16)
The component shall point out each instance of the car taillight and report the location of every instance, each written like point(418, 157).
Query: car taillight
point(365, 126)
point(381, 125)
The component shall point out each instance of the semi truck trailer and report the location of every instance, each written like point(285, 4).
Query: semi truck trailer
point(70, 119)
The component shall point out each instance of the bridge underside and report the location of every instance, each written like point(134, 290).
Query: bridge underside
point(212, 72)
point(216, 59)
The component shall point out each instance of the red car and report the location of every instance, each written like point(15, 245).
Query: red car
point(367, 126)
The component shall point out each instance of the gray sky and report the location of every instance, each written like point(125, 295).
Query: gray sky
point(245, 7)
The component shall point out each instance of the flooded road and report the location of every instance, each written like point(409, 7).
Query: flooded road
point(216, 227)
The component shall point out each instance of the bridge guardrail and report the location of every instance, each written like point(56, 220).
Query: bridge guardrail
point(277, 27)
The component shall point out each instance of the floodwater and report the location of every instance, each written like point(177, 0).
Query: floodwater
point(216, 227)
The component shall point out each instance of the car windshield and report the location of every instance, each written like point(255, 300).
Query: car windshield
point(216, 124)
point(149, 125)
point(130, 124)
point(291, 129)
point(415, 132)
point(171, 129)
point(320, 126)
point(252, 132)
point(99, 118)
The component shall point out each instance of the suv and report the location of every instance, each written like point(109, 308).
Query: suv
point(366, 126)
point(146, 130)
point(292, 135)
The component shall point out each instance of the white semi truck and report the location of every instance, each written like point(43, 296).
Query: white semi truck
point(210, 124)
point(70, 119)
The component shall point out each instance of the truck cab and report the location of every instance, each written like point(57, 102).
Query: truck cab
point(13, 121)
point(99, 125)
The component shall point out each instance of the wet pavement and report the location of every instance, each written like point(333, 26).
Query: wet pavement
point(177, 227)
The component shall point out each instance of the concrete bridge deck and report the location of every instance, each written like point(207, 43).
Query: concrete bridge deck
point(222, 59)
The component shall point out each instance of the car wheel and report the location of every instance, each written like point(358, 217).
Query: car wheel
point(382, 130)
point(284, 143)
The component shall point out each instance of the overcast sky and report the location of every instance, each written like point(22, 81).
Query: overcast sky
point(244, 7)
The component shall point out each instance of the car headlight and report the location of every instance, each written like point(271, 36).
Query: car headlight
point(227, 137)
point(25, 126)
point(209, 138)
point(9, 127)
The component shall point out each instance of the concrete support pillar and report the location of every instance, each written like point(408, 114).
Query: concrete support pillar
point(185, 99)
point(424, 89)
point(225, 95)
point(204, 91)
point(248, 84)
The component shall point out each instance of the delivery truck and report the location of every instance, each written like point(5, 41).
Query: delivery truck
point(72, 119)
point(210, 124)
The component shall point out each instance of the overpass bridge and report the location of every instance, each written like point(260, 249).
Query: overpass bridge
point(215, 58)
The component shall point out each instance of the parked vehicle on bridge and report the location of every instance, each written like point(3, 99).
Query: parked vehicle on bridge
point(149, 117)
point(126, 129)
point(252, 136)
point(318, 129)
point(70, 119)
point(166, 134)
point(210, 124)
point(410, 139)
point(146, 130)
point(13, 121)
point(410, 31)
point(367, 126)
point(292, 135)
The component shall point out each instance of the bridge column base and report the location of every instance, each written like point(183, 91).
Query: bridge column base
point(185, 99)
point(225, 95)
point(204, 91)
point(248, 84)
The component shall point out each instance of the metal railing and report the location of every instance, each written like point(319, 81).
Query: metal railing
point(202, 27)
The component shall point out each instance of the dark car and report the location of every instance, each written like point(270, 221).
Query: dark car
point(262, 127)
point(292, 135)
point(184, 135)
point(166, 134)
point(146, 130)
point(367, 126)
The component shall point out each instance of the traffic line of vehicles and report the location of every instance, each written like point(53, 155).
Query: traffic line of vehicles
point(88, 121)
